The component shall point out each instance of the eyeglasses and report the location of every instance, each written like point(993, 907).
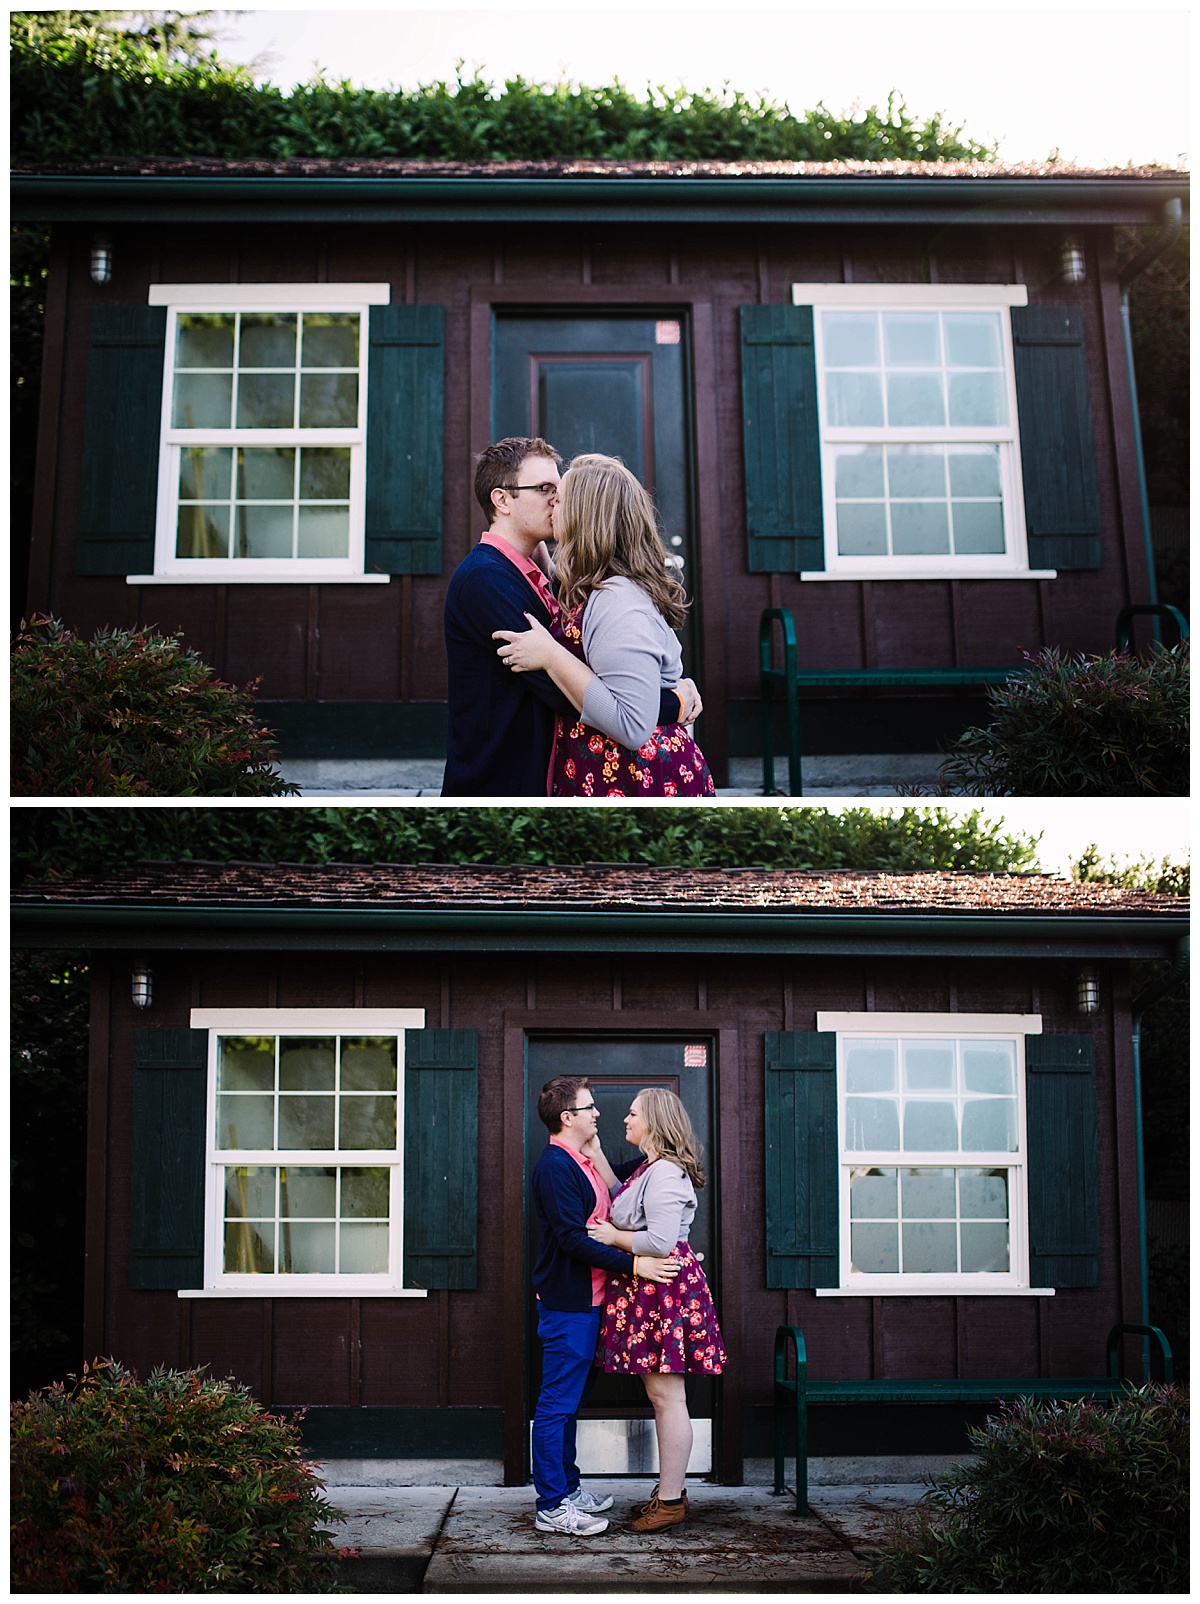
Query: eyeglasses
point(585, 1109)
point(546, 489)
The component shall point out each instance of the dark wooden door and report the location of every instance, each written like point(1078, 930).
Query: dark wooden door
point(618, 384)
point(617, 1067)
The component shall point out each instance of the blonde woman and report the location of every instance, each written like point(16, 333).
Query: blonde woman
point(620, 607)
point(662, 1333)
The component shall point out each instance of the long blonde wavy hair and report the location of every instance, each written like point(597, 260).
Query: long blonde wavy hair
point(605, 526)
point(669, 1131)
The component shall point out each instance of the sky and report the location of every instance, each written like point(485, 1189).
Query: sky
point(1102, 86)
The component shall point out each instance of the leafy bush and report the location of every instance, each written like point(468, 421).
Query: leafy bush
point(1081, 726)
point(1063, 1498)
point(130, 714)
point(178, 1484)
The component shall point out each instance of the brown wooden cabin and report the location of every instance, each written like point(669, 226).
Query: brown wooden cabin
point(893, 398)
point(969, 1033)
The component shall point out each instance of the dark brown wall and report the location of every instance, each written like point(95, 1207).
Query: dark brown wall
point(449, 1349)
point(341, 643)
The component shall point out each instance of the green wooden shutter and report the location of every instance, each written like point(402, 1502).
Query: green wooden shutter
point(801, 1158)
point(404, 440)
point(781, 436)
point(1064, 1193)
point(441, 1147)
point(1058, 455)
point(121, 438)
point(170, 1081)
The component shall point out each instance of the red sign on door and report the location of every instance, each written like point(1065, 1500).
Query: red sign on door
point(695, 1057)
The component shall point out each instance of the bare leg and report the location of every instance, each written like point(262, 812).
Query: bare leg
point(673, 1429)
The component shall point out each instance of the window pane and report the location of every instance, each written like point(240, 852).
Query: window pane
point(204, 473)
point(977, 398)
point(202, 532)
point(266, 400)
point(323, 532)
point(245, 1122)
point(916, 471)
point(309, 1194)
point(920, 528)
point(329, 401)
point(246, 1064)
point(991, 1067)
point(854, 399)
point(974, 470)
point(930, 1127)
point(978, 527)
point(873, 1195)
point(249, 1249)
point(365, 1194)
point(872, 1123)
point(871, 1066)
point(930, 1249)
point(862, 529)
point(249, 1192)
point(914, 399)
point(874, 1249)
point(928, 1194)
point(265, 474)
point(369, 1064)
point(307, 1064)
point(851, 339)
point(202, 401)
point(204, 340)
point(264, 532)
point(910, 339)
point(928, 1067)
point(364, 1249)
point(325, 473)
point(306, 1249)
point(984, 1249)
point(858, 471)
point(368, 1122)
point(330, 340)
point(983, 1194)
point(989, 1125)
point(268, 340)
point(973, 340)
point(305, 1122)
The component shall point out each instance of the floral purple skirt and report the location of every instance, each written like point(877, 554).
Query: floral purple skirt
point(668, 1326)
point(587, 763)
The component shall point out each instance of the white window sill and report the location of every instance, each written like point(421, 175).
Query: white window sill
point(274, 1290)
point(258, 579)
point(874, 574)
point(956, 1290)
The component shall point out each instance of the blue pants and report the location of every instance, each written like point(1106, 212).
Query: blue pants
point(568, 1353)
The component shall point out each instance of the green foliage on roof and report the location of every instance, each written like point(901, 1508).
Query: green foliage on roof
point(87, 86)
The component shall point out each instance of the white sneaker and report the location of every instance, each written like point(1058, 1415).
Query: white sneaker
point(586, 1500)
point(570, 1520)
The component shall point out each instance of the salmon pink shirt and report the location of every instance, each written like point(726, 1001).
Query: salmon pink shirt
point(600, 1212)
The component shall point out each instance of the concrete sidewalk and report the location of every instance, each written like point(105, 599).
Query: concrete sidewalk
point(453, 1530)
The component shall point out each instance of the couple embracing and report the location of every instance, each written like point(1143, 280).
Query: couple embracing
point(565, 676)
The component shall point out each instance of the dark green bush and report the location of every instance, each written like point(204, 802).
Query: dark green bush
point(1081, 726)
point(130, 713)
point(177, 1484)
point(1079, 1497)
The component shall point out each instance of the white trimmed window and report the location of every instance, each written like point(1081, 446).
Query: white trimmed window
point(920, 453)
point(304, 1183)
point(262, 462)
point(932, 1166)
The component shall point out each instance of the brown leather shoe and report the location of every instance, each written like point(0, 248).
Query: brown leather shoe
point(657, 1516)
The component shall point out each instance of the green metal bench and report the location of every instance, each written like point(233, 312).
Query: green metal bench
point(797, 1393)
point(1155, 610)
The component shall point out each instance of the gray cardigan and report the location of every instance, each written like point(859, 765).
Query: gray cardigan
point(658, 1208)
point(633, 652)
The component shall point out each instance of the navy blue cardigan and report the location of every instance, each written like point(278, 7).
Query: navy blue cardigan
point(563, 1198)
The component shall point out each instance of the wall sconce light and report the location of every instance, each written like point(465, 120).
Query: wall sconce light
point(1087, 992)
point(102, 255)
point(142, 985)
point(1074, 268)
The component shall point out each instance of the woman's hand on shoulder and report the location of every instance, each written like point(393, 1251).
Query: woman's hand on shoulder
point(526, 650)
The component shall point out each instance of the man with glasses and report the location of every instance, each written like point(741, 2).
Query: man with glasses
point(501, 725)
point(569, 1278)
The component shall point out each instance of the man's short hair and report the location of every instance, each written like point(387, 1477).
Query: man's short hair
point(559, 1094)
point(499, 464)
